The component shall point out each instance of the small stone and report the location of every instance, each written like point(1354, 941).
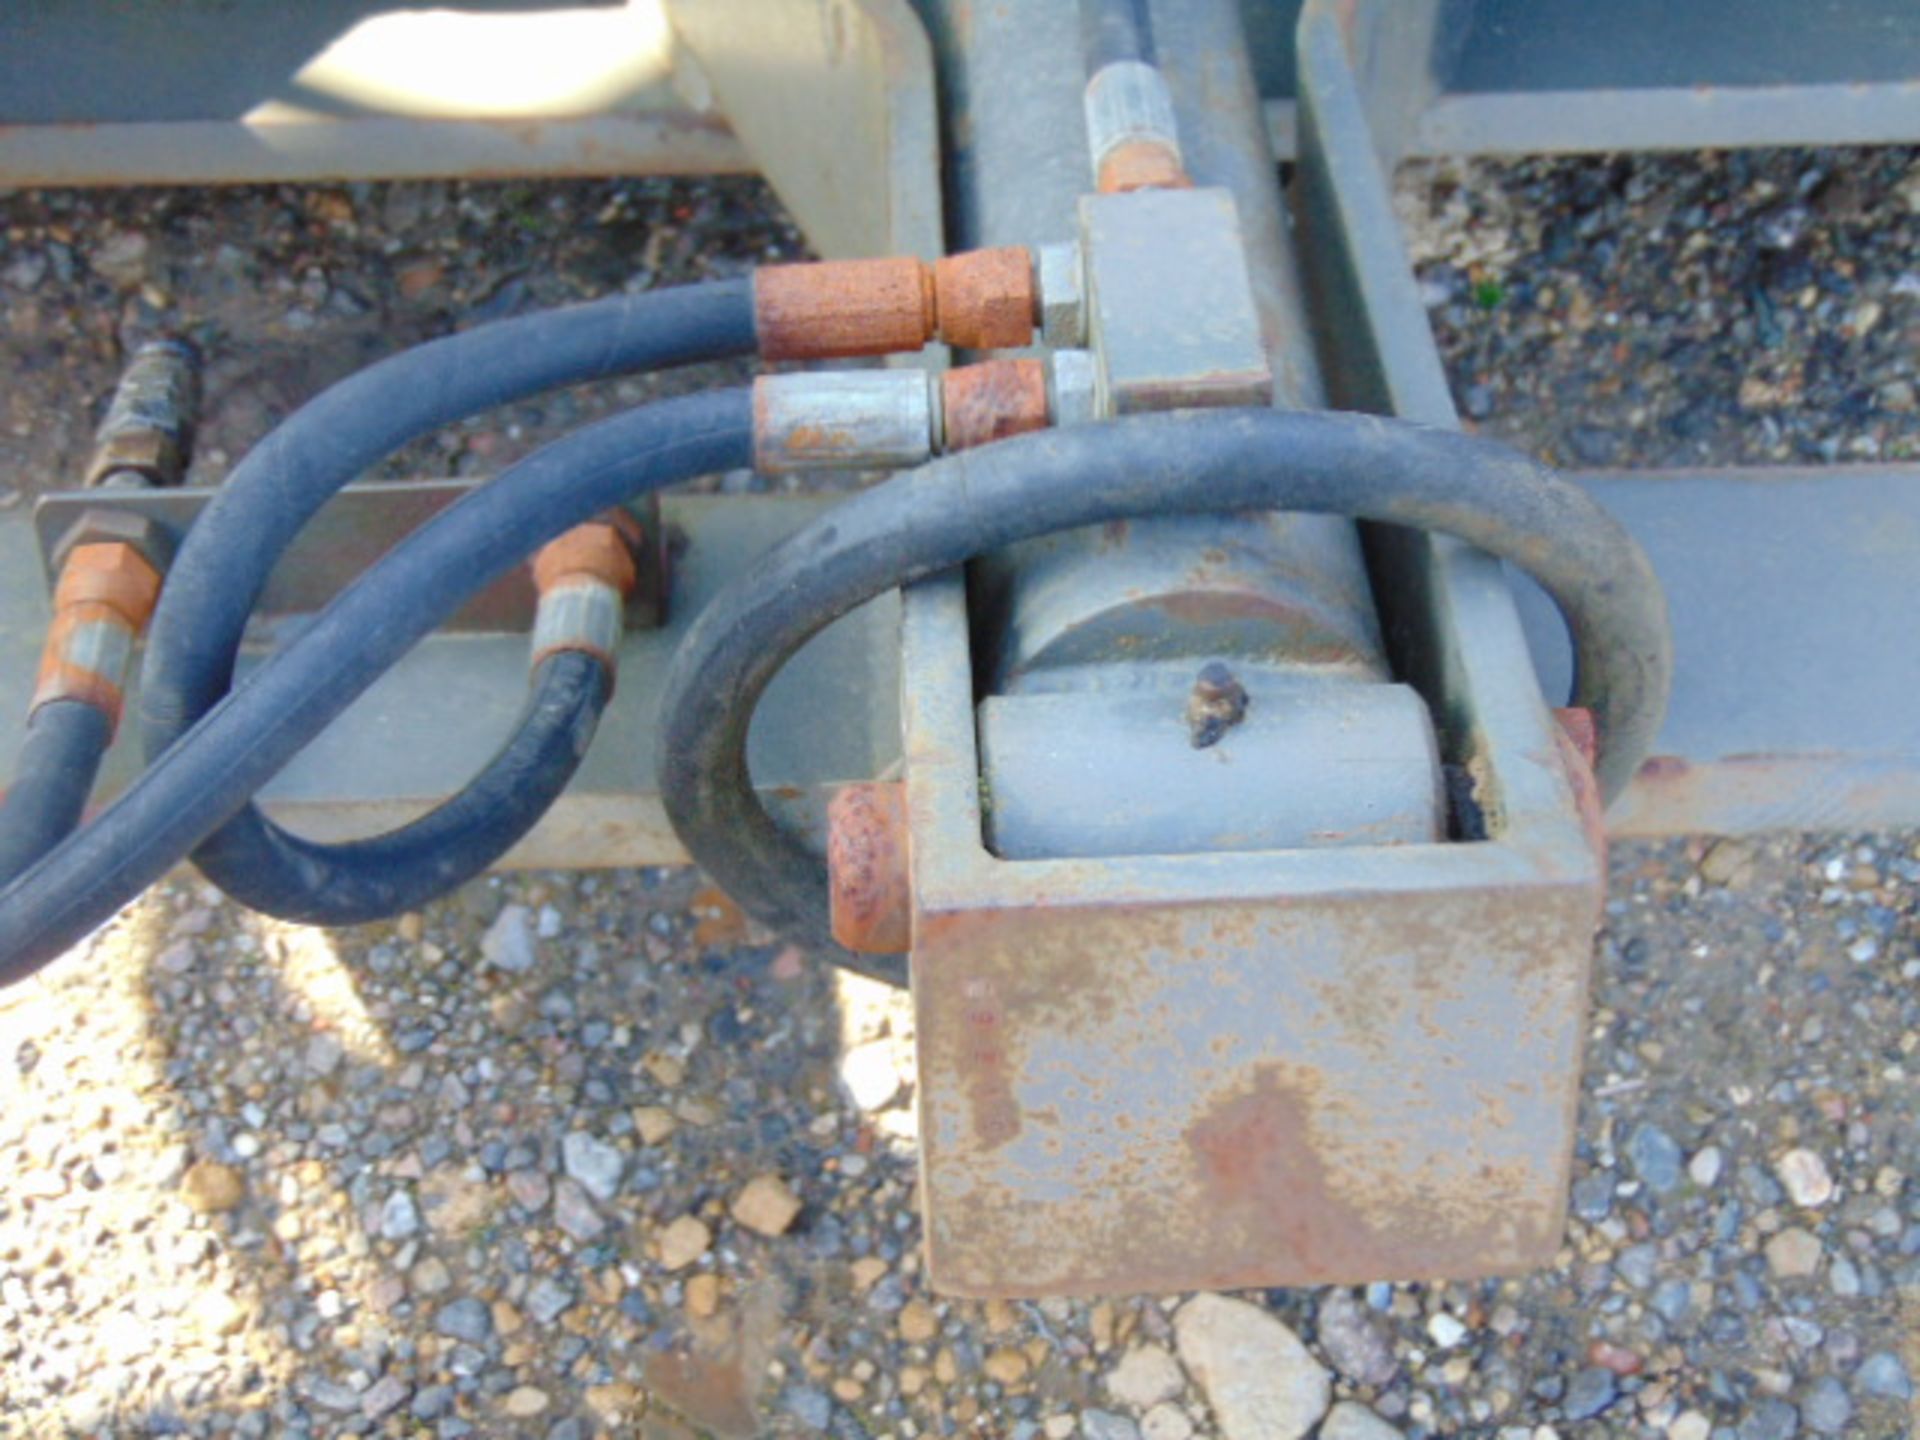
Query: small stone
point(1006, 1366)
point(867, 1272)
point(615, 1402)
point(211, 1188)
point(508, 943)
point(1793, 1254)
point(384, 1396)
point(1145, 1376)
point(399, 1217)
point(1655, 1158)
point(1259, 1380)
point(870, 1076)
point(1059, 1427)
point(1692, 1425)
point(1352, 1421)
point(703, 1295)
point(523, 1402)
point(573, 1212)
point(1446, 1330)
point(331, 1394)
point(653, 1123)
point(1883, 1375)
point(1167, 1422)
point(683, 1242)
point(812, 1408)
point(1805, 1176)
point(1826, 1408)
point(846, 1390)
point(667, 1071)
point(529, 1189)
point(1352, 1339)
point(548, 1300)
point(215, 1312)
point(121, 258)
point(1727, 862)
point(1770, 1420)
point(918, 1322)
point(1589, 1392)
point(594, 1163)
point(1105, 1425)
point(766, 1205)
point(1704, 1168)
point(431, 1402)
point(465, 1319)
point(429, 1277)
point(323, 1055)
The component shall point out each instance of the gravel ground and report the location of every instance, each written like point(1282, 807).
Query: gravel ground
point(571, 1155)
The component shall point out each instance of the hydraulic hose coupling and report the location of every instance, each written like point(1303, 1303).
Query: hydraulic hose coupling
point(584, 578)
point(891, 419)
point(105, 597)
point(839, 309)
point(147, 435)
point(1131, 131)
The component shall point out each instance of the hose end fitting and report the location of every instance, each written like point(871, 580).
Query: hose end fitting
point(146, 438)
point(101, 606)
point(584, 578)
point(987, 299)
point(1131, 130)
point(992, 400)
point(839, 309)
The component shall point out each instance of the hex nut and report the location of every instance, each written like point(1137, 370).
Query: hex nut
point(1073, 388)
point(1063, 296)
point(105, 526)
point(986, 298)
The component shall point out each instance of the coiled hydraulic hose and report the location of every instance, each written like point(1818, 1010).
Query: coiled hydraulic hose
point(934, 518)
point(232, 548)
point(208, 775)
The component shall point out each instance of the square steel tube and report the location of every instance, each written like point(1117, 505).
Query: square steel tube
point(1237, 1069)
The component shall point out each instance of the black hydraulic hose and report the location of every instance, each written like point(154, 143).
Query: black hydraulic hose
point(232, 548)
point(252, 859)
point(1114, 30)
point(236, 747)
point(58, 762)
point(1204, 462)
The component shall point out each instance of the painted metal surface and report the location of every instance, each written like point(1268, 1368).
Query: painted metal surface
point(1234, 1069)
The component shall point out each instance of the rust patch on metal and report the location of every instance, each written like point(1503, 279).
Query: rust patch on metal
point(837, 309)
point(990, 401)
point(1142, 165)
point(987, 299)
point(602, 549)
point(109, 584)
point(870, 884)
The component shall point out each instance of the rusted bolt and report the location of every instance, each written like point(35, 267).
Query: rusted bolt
point(104, 599)
point(870, 883)
point(1217, 704)
point(986, 299)
point(992, 400)
point(837, 309)
point(603, 549)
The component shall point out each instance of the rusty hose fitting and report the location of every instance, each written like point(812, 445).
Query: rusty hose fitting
point(992, 400)
point(842, 309)
point(583, 578)
point(871, 884)
point(101, 605)
point(146, 438)
point(1131, 130)
point(987, 299)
